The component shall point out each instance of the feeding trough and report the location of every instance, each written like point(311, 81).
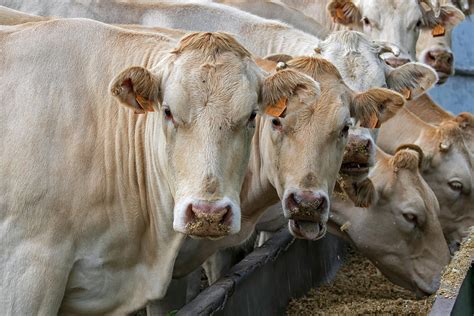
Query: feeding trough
point(268, 278)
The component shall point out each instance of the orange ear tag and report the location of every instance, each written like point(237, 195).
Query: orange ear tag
point(438, 31)
point(278, 108)
point(406, 94)
point(144, 103)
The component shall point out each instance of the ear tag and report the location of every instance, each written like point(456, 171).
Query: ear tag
point(144, 103)
point(438, 31)
point(278, 108)
point(374, 121)
point(406, 94)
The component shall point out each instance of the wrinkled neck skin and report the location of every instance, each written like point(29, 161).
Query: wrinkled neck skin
point(256, 196)
point(426, 109)
point(403, 128)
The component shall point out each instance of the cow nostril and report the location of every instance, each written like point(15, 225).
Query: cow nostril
point(449, 60)
point(368, 145)
point(430, 57)
point(227, 217)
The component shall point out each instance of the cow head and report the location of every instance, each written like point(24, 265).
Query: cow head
point(394, 21)
point(400, 232)
point(201, 102)
point(359, 156)
point(303, 147)
point(434, 45)
point(448, 169)
point(358, 60)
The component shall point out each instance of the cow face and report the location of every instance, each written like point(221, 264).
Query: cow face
point(206, 94)
point(448, 169)
point(400, 232)
point(435, 49)
point(303, 147)
point(358, 60)
point(395, 21)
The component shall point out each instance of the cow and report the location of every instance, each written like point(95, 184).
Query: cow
point(400, 232)
point(116, 145)
point(274, 170)
point(397, 22)
point(434, 46)
point(429, 111)
point(447, 166)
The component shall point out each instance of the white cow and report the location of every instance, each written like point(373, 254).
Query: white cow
point(92, 190)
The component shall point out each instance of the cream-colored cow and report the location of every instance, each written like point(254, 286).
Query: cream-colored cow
point(91, 190)
point(447, 166)
point(434, 46)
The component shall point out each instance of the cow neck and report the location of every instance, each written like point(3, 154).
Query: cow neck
point(409, 130)
point(280, 39)
point(257, 191)
point(425, 108)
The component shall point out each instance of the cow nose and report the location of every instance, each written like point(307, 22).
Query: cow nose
point(307, 205)
point(442, 61)
point(439, 57)
point(396, 61)
point(207, 219)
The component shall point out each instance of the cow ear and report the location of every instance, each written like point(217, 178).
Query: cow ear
point(465, 120)
point(344, 12)
point(411, 79)
point(362, 193)
point(282, 85)
point(449, 17)
point(137, 89)
point(375, 106)
point(408, 156)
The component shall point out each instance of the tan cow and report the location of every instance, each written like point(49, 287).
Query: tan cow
point(447, 166)
point(400, 233)
point(91, 190)
point(425, 108)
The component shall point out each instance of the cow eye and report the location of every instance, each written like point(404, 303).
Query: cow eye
point(366, 21)
point(455, 185)
point(253, 115)
point(167, 112)
point(411, 218)
point(418, 24)
point(276, 123)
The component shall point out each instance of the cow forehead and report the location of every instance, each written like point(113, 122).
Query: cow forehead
point(227, 85)
point(356, 58)
point(404, 10)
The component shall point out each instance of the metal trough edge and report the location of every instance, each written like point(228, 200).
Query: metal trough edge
point(264, 281)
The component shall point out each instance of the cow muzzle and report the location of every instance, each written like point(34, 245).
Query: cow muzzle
point(207, 219)
point(358, 156)
point(308, 213)
point(442, 61)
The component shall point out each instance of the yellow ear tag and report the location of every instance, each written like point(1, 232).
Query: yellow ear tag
point(438, 31)
point(406, 94)
point(278, 108)
point(144, 103)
